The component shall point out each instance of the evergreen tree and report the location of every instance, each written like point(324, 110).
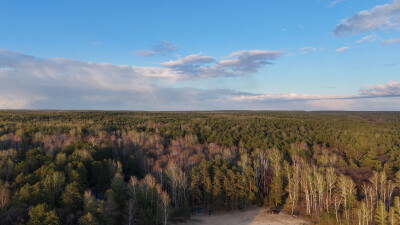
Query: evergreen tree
point(87, 219)
point(276, 192)
point(71, 196)
point(42, 215)
point(381, 215)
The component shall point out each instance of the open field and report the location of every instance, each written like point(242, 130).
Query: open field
point(254, 216)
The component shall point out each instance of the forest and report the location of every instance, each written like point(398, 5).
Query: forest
point(127, 167)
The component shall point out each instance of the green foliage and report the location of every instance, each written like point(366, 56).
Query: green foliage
point(276, 193)
point(42, 215)
point(381, 215)
point(87, 219)
point(71, 197)
point(169, 163)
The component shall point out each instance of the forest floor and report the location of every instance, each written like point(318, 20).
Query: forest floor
point(253, 216)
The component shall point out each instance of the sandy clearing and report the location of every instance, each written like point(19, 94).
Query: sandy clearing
point(254, 216)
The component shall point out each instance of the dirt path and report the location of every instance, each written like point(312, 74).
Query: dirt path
point(255, 216)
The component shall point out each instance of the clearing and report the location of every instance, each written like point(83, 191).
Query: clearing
point(253, 216)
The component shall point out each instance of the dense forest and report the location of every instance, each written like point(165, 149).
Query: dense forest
point(99, 167)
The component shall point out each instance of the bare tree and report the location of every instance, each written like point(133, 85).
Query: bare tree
point(346, 191)
point(292, 177)
point(130, 211)
point(337, 201)
point(165, 203)
point(363, 213)
point(375, 183)
point(320, 187)
point(331, 178)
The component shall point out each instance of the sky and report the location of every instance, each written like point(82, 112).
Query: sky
point(200, 55)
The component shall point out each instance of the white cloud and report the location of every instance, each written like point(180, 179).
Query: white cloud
point(368, 38)
point(391, 41)
point(284, 96)
point(391, 88)
point(380, 17)
point(59, 83)
point(13, 102)
point(189, 60)
point(307, 49)
point(248, 61)
point(236, 64)
point(342, 49)
point(30, 82)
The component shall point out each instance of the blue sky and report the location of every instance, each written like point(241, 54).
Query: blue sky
point(200, 55)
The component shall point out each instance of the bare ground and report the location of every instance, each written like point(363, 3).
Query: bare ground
point(253, 216)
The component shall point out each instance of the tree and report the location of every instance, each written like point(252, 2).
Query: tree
point(71, 196)
point(374, 179)
point(165, 203)
point(217, 186)
point(51, 218)
point(392, 217)
point(275, 158)
point(320, 187)
point(40, 215)
point(177, 180)
point(130, 211)
point(119, 190)
point(347, 191)
point(381, 215)
point(250, 183)
point(110, 208)
point(4, 196)
point(293, 181)
point(396, 207)
point(331, 178)
point(363, 214)
point(276, 192)
point(53, 185)
point(337, 201)
point(87, 219)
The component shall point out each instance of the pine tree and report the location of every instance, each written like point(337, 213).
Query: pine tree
point(276, 192)
point(40, 214)
point(217, 186)
point(119, 190)
point(396, 207)
point(71, 196)
point(381, 215)
point(88, 219)
point(392, 218)
point(110, 209)
point(51, 218)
